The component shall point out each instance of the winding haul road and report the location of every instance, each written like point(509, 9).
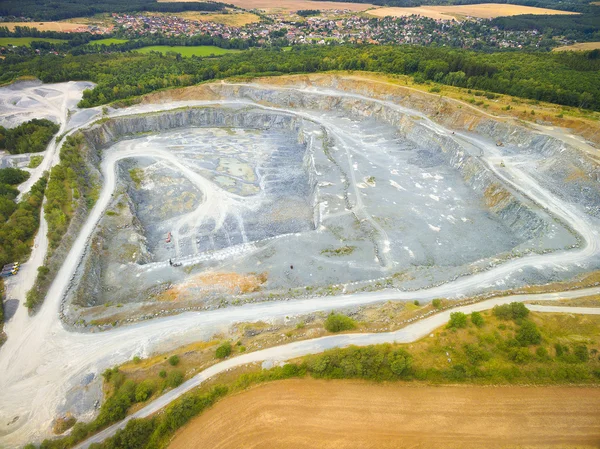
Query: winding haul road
point(42, 362)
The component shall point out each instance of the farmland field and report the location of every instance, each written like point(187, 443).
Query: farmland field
point(21, 41)
point(581, 46)
point(292, 5)
point(109, 41)
point(202, 50)
point(66, 27)
point(236, 19)
point(459, 12)
point(343, 414)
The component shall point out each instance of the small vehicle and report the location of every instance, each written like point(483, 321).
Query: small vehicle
point(168, 240)
point(10, 266)
point(9, 272)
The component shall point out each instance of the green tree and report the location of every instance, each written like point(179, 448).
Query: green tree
point(528, 334)
point(457, 320)
point(174, 378)
point(13, 176)
point(336, 322)
point(144, 390)
point(400, 362)
point(174, 360)
point(223, 351)
point(477, 319)
point(513, 311)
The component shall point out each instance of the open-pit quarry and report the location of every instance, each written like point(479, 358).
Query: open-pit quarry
point(231, 202)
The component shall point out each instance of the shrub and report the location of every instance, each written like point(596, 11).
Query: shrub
point(437, 303)
point(400, 362)
point(528, 334)
point(519, 355)
point(163, 374)
point(475, 354)
point(336, 322)
point(477, 319)
point(416, 302)
point(137, 359)
point(542, 353)
point(581, 353)
point(174, 360)
point(457, 320)
point(144, 390)
point(512, 311)
point(174, 378)
point(560, 350)
point(223, 351)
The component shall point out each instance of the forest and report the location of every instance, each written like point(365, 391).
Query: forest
point(65, 9)
point(566, 78)
point(17, 232)
point(584, 27)
point(30, 137)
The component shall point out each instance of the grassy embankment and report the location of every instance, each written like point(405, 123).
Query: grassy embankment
point(506, 346)
point(23, 41)
point(202, 50)
point(109, 41)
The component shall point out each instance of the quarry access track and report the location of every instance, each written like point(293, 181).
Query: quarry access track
point(42, 361)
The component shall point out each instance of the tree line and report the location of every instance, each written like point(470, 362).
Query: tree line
point(70, 185)
point(19, 229)
point(65, 9)
point(566, 78)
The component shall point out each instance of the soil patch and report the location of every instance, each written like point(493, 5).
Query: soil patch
point(459, 12)
point(581, 46)
point(66, 27)
point(343, 414)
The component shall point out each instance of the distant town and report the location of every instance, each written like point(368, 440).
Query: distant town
point(328, 28)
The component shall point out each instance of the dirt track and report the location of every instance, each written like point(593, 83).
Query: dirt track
point(351, 414)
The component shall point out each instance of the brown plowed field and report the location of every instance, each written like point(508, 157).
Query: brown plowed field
point(353, 414)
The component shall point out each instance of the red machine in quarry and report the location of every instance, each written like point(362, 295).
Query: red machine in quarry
point(168, 240)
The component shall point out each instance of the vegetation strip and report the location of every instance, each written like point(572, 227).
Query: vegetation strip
point(70, 188)
point(507, 345)
point(567, 78)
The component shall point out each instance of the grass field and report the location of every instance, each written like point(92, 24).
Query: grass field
point(109, 41)
point(203, 50)
point(460, 12)
point(581, 46)
point(22, 41)
point(48, 26)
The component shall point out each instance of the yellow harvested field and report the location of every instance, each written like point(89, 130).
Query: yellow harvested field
point(48, 26)
point(290, 5)
point(232, 19)
point(459, 12)
point(581, 46)
point(306, 413)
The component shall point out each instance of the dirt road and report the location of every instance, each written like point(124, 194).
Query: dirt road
point(351, 414)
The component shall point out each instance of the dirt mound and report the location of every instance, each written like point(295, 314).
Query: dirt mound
point(350, 414)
